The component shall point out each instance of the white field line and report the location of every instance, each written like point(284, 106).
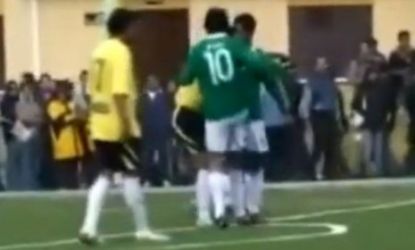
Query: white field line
point(333, 230)
point(402, 182)
point(378, 207)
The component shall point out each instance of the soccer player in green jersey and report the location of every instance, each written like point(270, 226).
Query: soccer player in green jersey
point(247, 179)
point(216, 62)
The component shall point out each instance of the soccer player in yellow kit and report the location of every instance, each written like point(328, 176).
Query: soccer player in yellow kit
point(114, 128)
point(188, 124)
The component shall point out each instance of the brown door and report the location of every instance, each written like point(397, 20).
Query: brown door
point(163, 43)
point(331, 31)
point(2, 54)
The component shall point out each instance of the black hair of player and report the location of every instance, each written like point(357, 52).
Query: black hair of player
point(247, 22)
point(403, 34)
point(372, 43)
point(217, 20)
point(119, 21)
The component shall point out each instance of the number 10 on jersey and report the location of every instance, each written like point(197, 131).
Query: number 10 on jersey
point(221, 68)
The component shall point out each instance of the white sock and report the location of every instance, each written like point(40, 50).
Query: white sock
point(254, 190)
point(96, 199)
point(134, 198)
point(217, 186)
point(238, 192)
point(203, 194)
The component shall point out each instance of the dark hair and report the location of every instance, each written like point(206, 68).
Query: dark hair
point(403, 34)
point(217, 20)
point(28, 77)
point(119, 21)
point(372, 42)
point(247, 22)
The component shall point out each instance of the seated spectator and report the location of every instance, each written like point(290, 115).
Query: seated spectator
point(68, 148)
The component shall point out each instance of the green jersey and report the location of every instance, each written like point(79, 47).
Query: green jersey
point(252, 85)
point(216, 63)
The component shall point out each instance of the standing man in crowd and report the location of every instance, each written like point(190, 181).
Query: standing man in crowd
point(67, 146)
point(155, 116)
point(401, 61)
point(327, 121)
point(114, 127)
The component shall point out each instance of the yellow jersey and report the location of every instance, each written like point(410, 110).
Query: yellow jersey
point(111, 74)
point(189, 97)
point(66, 138)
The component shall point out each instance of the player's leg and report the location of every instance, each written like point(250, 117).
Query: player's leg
point(257, 146)
point(189, 127)
point(97, 193)
point(217, 133)
point(133, 193)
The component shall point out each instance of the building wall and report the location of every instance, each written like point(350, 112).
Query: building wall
point(391, 16)
point(271, 14)
point(17, 35)
point(66, 43)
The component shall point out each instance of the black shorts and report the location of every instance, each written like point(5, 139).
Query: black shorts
point(118, 156)
point(189, 127)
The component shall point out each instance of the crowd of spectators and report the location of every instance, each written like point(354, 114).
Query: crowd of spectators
point(46, 136)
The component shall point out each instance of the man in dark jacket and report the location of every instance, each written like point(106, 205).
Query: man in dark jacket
point(8, 110)
point(402, 62)
point(156, 132)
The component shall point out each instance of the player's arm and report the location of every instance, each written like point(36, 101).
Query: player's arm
point(122, 67)
point(275, 85)
point(188, 74)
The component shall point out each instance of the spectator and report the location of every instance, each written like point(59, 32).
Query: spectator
point(8, 110)
point(325, 116)
point(80, 92)
point(67, 146)
point(156, 131)
point(47, 86)
point(376, 105)
point(288, 156)
point(26, 158)
point(410, 108)
point(401, 61)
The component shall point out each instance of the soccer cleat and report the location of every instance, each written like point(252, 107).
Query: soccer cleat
point(88, 240)
point(149, 235)
point(222, 222)
point(244, 221)
point(256, 219)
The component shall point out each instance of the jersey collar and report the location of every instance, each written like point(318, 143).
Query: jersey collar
point(216, 35)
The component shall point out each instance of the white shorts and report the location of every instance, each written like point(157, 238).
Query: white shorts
point(256, 137)
point(226, 135)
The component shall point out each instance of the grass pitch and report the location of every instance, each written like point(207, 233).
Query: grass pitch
point(377, 215)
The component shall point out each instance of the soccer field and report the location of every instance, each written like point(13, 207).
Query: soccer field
point(361, 215)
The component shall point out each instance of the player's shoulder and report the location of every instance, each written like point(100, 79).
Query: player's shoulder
point(110, 47)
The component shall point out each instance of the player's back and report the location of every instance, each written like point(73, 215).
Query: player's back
point(216, 66)
point(111, 73)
